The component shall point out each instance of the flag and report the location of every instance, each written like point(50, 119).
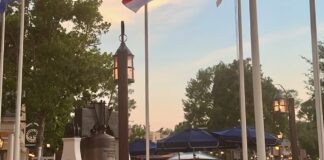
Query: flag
point(3, 5)
point(218, 2)
point(135, 5)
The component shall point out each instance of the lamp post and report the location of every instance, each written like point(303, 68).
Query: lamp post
point(280, 105)
point(123, 74)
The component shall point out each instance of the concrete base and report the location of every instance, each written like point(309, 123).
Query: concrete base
point(71, 149)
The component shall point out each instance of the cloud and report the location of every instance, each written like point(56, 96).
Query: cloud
point(165, 16)
point(114, 11)
point(229, 53)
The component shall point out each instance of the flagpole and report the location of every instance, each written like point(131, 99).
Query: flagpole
point(2, 57)
point(19, 83)
point(257, 90)
point(147, 111)
point(238, 21)
point(317, 85)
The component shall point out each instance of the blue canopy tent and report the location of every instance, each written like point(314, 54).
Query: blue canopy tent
point(138, 147)
point(188, 140)
point(232, 137)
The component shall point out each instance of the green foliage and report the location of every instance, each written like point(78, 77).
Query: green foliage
point(182, 126)
point(213, 99)
point(137, 132)
point(199, 99)
point(63, 66)
point(307, 138)
point(308, 132)
point(165, 131)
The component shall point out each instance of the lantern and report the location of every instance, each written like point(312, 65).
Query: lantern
point(280, 105)
point(130, 57)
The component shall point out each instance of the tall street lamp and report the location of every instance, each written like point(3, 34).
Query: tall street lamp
point(281, 104)
point(123, 74)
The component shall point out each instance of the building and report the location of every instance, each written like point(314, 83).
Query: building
point(157, 135)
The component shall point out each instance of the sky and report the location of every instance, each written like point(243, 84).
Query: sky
point(188, 35)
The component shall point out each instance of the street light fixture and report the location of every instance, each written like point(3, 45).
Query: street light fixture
point(281, 104)
point(130, 67)
point(130, 59)
point(280, 135)
point(123, 74)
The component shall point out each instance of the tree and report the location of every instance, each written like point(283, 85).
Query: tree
point(137, 132)
point(199, 98)
point(307, 138)
point(63, 66)
point(213, 99)
point(181, 126)
point(308, 134)
point(165, 131)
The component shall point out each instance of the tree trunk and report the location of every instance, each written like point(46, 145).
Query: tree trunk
point(40, 135)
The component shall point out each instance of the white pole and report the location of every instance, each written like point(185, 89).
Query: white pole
point(39, 153)
point(19, 82)
point(257, 90)
point(242, 87)
point(10, 147)
point(2, 57)
point(317, 85)
point(147, 111)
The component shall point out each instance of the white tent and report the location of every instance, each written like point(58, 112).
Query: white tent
point(191, 155)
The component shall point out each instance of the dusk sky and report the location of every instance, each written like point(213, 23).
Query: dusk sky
point(188, 35)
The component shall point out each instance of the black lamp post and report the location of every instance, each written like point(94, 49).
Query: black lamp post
point(281, 104)
point(123, 74)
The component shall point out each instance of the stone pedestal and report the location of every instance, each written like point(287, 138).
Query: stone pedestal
point(71, 148)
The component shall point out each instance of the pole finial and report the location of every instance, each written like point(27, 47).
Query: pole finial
point(122, 31)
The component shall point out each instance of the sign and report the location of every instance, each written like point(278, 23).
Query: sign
point(31, 134)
